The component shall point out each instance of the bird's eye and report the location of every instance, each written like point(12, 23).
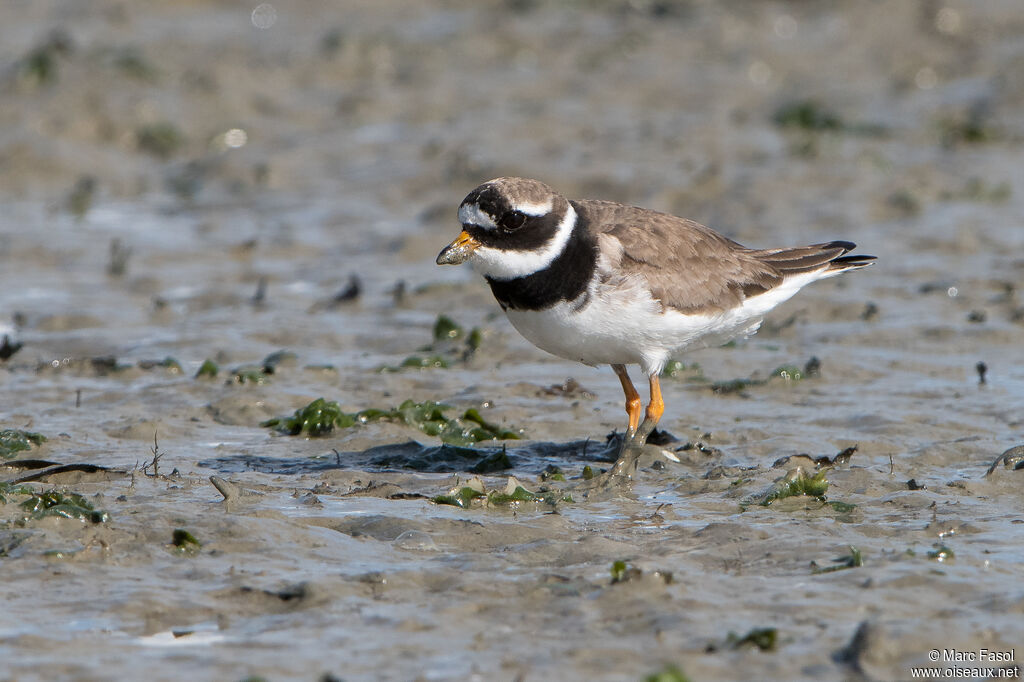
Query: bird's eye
point(512, 220)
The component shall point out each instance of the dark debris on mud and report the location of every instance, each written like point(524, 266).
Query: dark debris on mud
point(415, 456)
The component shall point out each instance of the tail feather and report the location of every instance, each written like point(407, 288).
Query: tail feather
point(851, 262)
point(828, 256)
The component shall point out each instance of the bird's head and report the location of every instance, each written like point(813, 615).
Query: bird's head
point(511, 227)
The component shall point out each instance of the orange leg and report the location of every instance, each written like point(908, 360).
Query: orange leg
point(656, 407)
point(633, 405)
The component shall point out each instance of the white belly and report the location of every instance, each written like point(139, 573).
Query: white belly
point(624, 325)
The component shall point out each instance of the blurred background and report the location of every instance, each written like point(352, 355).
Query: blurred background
point(750, 116)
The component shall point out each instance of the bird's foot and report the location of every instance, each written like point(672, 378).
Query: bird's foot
point(629, 455)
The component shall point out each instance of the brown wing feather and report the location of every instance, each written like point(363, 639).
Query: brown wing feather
point(801, 259)
point(688, 267)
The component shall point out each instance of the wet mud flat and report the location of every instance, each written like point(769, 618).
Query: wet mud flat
point(249, 430)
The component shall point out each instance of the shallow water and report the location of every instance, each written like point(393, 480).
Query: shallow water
point(364, 130)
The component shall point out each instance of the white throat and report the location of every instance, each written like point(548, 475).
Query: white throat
point(505, 265)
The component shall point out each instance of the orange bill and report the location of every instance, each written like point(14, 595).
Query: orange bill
point(458, 251)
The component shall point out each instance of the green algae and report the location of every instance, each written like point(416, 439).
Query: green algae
point(973, 128)
point(808, 115)
point(473, 415)
point(318, 418)
point(65, 505)
point(677, 369)
point(733, 385)
point(813, 117)
point(800, 484)
point(425, 362)
point(80, 198)
point(428, 416)
point(208, 370)
point(133, 63)
point(446, 328)
point(842, 507)
point(513, 495)
point(8, 489)
point(170, 364)
point(941, 553)
point(789, 373)
point(13, 441)
point(416, 362)
point(40, 65)
point(765, 639)
point(462, 498)
point(184, 542)
point(248, 375)
point(321, 417)
point(855, 559)
point(520, 494)
point(669, 673)
point(552, 473)
point(162, 139)
point(624, 572)
point(451, 344)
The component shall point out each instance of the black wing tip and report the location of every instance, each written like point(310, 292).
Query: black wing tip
point(848, 262)
point(837, 244)
point(843, 262)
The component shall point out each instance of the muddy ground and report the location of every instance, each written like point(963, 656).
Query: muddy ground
point(202, 180)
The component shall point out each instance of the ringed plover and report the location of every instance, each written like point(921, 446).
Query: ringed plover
point(607, 284)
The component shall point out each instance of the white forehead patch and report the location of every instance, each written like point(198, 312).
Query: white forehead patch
point(510, 264)
point(535, 210)
point(470, 214)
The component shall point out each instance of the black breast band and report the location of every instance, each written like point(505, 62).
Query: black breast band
point(564, 280)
